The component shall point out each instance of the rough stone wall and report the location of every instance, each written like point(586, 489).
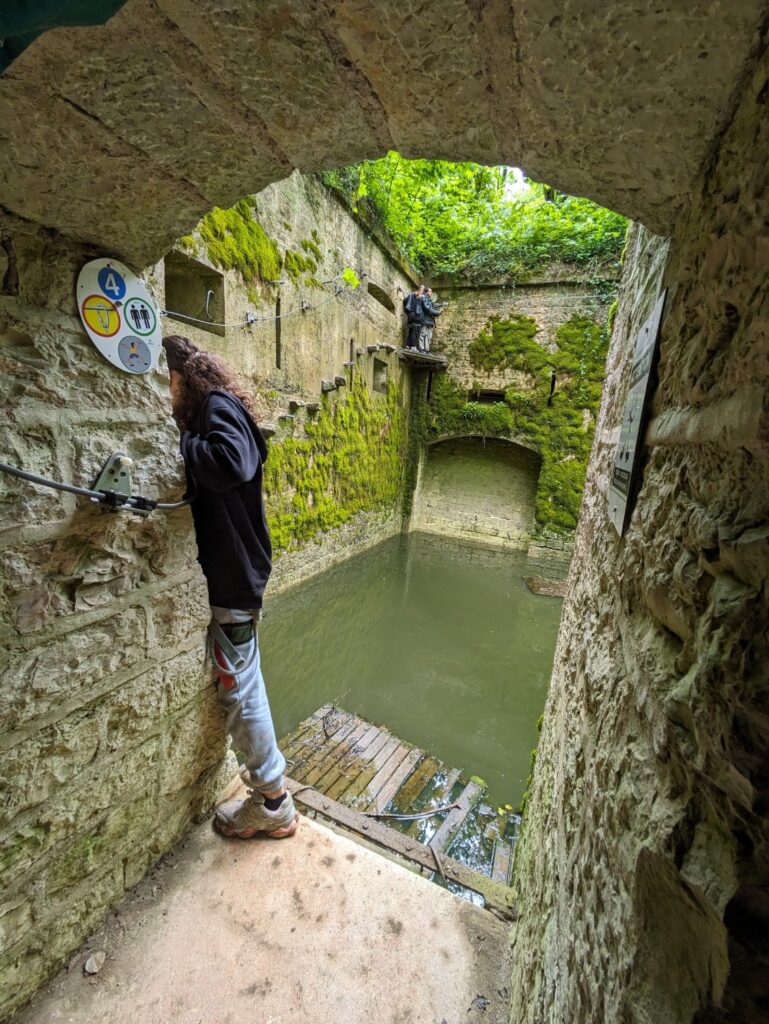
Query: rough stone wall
point(613, 101)
point(644, 863)
point(550, 302)
point(478, 489)
point(111, 740)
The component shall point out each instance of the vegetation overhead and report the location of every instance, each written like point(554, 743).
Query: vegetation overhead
point(481, 222)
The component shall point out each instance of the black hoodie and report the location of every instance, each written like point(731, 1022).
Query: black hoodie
point(224, 455)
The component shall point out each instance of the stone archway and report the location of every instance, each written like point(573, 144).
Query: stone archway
point(477, 488)
point(124, 135)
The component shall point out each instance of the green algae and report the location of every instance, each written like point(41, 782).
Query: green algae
point(349, 461)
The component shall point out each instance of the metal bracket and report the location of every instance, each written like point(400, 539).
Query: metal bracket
point(115, 480)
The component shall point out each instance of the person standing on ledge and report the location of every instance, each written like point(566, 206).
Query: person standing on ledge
point(224, 452)
point(429, 313)
point(412, 306)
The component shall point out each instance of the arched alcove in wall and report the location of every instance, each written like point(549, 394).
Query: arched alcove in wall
point(478, 488)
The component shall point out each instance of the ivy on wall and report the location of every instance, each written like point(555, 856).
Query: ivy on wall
point(350, 460)
point(559, 425)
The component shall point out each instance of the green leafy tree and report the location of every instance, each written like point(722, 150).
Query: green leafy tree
point(462, 217)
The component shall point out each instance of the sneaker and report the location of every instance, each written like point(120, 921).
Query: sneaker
point(246, 818)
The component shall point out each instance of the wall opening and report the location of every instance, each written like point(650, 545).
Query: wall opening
point(194, 293)
point(381, 296)
point(480, 489)
point(381, 372)
point(486, 397)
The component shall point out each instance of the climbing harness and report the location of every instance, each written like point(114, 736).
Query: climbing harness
point(112, 487)
point(234, 662)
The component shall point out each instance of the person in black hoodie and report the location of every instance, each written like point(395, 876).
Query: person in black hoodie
point(224, 453)
point(412, 307)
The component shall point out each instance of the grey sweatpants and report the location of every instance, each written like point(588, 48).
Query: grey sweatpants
point(244, 698)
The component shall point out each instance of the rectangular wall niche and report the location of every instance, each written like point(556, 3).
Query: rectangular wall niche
point(191, 284)
point(486, 397)
point(380, 376)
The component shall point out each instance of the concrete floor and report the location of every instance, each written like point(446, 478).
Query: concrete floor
point(314, 929)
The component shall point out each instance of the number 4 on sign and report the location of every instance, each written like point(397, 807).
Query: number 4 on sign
point(111, 282)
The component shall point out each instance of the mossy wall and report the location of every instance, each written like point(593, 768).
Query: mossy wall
point(550, 403)
point(350, 459)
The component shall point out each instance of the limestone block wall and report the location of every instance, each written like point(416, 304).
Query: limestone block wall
point(644, 863)
point(550, 301)
point(478, 489)
point(111, 740)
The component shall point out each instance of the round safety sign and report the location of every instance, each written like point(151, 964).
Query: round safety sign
point(119, 315)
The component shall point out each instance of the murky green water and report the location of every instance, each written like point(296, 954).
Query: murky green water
point(440, 642)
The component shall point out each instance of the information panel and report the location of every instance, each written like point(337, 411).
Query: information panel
point(119, 316)
point(621, 489)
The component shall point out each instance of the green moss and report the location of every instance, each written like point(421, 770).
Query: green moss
point(508, 345)
point(612, 315)
point(235, 240)
point(311, 247)
point(556, 426)
point(297, 264)
point(350, 460)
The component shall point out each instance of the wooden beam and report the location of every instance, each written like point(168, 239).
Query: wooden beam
point(334, 750)
point(497, 898)
point(381, 758)
point(349, 774)
point(313, 751)
point(396, 780)
point(356, 755)
point(368, 798)
point(454, 820)
point(412, 788)
point(503, 860)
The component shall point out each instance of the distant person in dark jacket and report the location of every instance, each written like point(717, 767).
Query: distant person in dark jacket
point(412, 306)
point(224, 453)
point(429, 313)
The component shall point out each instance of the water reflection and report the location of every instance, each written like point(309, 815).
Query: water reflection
point(439, 641)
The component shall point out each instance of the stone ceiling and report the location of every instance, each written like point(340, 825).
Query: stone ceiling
point(123, 135)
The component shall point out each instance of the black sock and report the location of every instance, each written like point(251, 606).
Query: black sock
point(272, 803)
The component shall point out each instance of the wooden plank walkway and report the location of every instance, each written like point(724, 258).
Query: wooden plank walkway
point(352, 771)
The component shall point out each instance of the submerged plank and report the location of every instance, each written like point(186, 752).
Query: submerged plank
point(454, 819)
point(440, 797)
point(503, 858)
point(497, 898)
point(396, 780)
point(349, 773)
point(367, 798)
point(412, 788)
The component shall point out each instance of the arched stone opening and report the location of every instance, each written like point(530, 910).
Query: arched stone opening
point(206, 105)
point(203, 103)
point(478, 488)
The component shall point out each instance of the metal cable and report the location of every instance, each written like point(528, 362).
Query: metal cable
point(111, 498)
point(253, 321)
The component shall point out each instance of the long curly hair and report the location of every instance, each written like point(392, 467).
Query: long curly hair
point(200, 373)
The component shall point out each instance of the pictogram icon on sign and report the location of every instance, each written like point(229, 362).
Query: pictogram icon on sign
point(101, 316)
point(134, 354)
point(139, 316)
point(125, 330)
